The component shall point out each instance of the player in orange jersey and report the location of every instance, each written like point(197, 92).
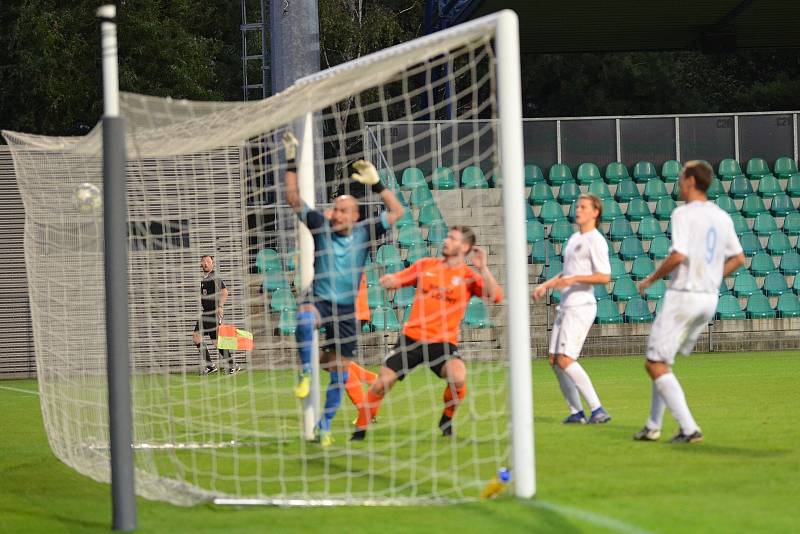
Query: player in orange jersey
point(444, 287)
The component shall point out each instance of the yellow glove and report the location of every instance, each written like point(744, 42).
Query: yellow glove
point(365, 173)
point(290, 145)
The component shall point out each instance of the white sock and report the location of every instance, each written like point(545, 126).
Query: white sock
point(569, 390)
point(657, 408)
point(671, 392)
point(584, 384)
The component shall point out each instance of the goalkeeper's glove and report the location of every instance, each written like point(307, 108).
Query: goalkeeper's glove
point(367, 175)
point(290, 149)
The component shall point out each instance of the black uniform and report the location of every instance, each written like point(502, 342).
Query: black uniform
point(210, 288)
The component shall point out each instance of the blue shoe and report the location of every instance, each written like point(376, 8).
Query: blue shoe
point(599, 416)
point(576, 418)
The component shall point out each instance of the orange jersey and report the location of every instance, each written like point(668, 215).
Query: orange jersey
point(441, 299)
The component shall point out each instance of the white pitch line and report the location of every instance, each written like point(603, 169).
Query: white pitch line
point(590, 517)
point(18, 390)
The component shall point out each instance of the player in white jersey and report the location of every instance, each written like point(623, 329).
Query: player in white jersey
point(585, 264)
point(705, 249)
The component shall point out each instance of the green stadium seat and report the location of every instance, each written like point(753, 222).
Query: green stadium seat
point(274, 280)
point(533, 175)
point(659, 247)
point(287, 323)
point(559, 173)
point(793, 186)
point(412, 178)
point(715, 189)
point(644, 171)
point(768, 187)
point(600, 189)
point(616, 172)
point(410, 236)
point(552, 269)
point(740, 187)
point(571, 212)
point(723, 288)
point(282, 299)
point(744, 285)
point(728, 308)
point(407, 219)
point(437, 232)
point(790, 263)
point(729, 169)
point(540, 193)
point(617, 267)
point(739, 223)
point(529, 216)
point(630, 249)
point(637, 210)
point(417, 252)
point(781, 205)
point(774, 284)
point(671, 171)
point(588, 173)
point(551, 212)
point(624, 289)
point(384, 319)
point(600, 292)
point(654, 189)
point(472, 177)
point(764, 224)
point(268, 260)
point(626, 190)
point(791, 223)
point(642, 267)
point(758, 307)
point(608, 313)
point(568, 193)
point(649, 228)
point(756, 168)
point(421, 196)
point(778, 244)
point(444, 178)
point(542, 252)
point(785, 167)
point(656, 291)
point(555, 296)
point(752, 206)
point(611, 210)
point(636, 311)
point(561, 231)
point(788, 306)
point(750, 243)
point(496, 179)
point(727, 205)
point(388, 255)
point(477, 316)
point(388, 179)
point(619, 230)
point(534, 231)
point(796, 285)
point(430, 214)
point(762, 264)
point(376, 296)
point(664, 208)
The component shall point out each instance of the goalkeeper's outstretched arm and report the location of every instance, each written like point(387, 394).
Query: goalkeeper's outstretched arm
point(292, 193)
point(368, 175)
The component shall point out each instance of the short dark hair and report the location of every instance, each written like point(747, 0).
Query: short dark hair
point(467, 235)
point(207, 256)
point(701, 172)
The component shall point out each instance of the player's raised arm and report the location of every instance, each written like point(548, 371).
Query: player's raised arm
point(292, 192)
point(491, 289)
point(368, 175)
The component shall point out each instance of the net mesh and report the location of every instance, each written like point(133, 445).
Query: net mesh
point(207, 178)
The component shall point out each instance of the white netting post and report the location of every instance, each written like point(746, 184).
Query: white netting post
point(509, 102)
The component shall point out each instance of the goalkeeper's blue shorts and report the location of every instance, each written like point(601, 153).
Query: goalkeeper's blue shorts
point(339, 322)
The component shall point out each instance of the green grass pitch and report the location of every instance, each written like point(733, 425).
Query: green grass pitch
point(744, 478)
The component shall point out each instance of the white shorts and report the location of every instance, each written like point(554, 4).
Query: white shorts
point(571, 328)
point(680, 322)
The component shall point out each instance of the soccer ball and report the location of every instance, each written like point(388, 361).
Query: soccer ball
point(87, 198)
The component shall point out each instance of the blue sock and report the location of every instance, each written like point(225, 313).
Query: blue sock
point(333, 398)
point(305, 338)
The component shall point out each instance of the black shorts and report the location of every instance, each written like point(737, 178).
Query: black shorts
point(209, 323)
point(409, 353)
point(339, 322)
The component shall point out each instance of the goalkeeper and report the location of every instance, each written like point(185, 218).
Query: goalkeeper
point(341, 245)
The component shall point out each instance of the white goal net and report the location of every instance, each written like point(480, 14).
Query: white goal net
point(208, 179)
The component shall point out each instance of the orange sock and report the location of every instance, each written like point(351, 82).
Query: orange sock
point(367, 377)
point(353, 388)
point(368, 410)
point(451, 404)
